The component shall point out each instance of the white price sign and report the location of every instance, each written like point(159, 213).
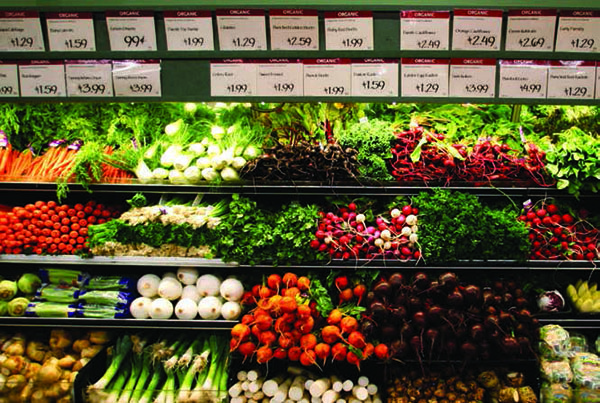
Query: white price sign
point(89, 78)
point(349, 30)
point(71, 32)
point(424, 30)
point(375, 78)
point(242, 29)
point(531, 30)
point(523, 78)
point(136, 78)
point(131, 30)
point(473, 78)
point(571, 79)
point(597, 80)
point(9, 79)
point(20, 31)
point(280, 78)
point(424, 77)
point(42, 78)
point(477, 29)
point(232, 78)
point(578, 31)
point(189, 30)
point(327, 77)
point(294, 29)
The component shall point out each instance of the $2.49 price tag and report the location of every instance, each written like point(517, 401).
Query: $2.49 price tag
point(279, 78)
point(424, 77)
point(131, 30)
point(189, 30)
point(424, 30)
point(71, 32)
point(232, 78)
point(42, 78)
point(375, 78)
point(20, 31)
point(327, 77)
point(523, 78)
point(9, 79)
point(349, 30)
point(477, 30)
point(571, 79)
point(473, 78)
point(530, 30)
point(89, 78)
point(578, 31)
point(136, 78)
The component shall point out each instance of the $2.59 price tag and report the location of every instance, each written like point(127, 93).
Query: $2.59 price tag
point(424, 77)
point(424, 30)
point(578, 31)
point(477, 30)
point(530, 30)
point(294, 29)
point(232, 78)
point(89, 78)
point(571, 79)
point(136, 78)
point(71, 32)
point(473, 78)
point(242, 29)
point(375, 78)
point(9, 79)
point(279, 78)
point(131, 30)
point(327, 77)
point(42, 78)
point(349, 30)
point(20, 31)
point(523, 78)
point(189, 30)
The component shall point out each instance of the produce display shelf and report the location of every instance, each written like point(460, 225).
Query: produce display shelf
point(118, 323)
point(574, 322)
point(120, 261)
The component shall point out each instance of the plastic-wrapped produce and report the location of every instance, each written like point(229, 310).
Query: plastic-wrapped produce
point(56, 293)
point(586, 395)
point(586, 370)
point(50, 310)
point(554, 341)
point(110, 283)
point(556, 393)
point(556, 371)
point(578, 343)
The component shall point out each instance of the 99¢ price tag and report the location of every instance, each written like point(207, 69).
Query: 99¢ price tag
point(477, 30)
point(42, 78)
point(136, 78)
point(531, 30)
point(578, 31)
point(89, 78)
point(71, 32)
point(294, 29)
point(189, 30)
point(349, 30)
point(374, 78)
point(242, 29)
point(232, 78)
point(280, 78)
point(20, 31)
point(131, 30)
point(9, 79)
point(571, 79)
point(327, 77)
point(473, 78)
point(424, 77)
point(424, 30)
point(523, 78)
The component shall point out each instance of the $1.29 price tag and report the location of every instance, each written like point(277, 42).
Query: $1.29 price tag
point(131, 30)
point(20, 31)
point(424, 30)
point(232, 78)
point(327, 77)
point(242, 29)
point(136, 78)
point(71, 32)
point(530, 30)
point(42, 78)
point(294, 29)
point(424, 77)
point(523, 78)
point(578, 31)
point(571, 79)
point(473, 78)
point(9, 79)
point(279, 78)
point(349, 30)
point(89, 78)
point(375, 78)
point(477, 30)
point(189, 30)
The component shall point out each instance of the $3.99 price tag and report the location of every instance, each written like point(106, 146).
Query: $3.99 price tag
point(232, 78)
point(21, 31)
point(89, 78)
point(9, 79)
point(578, 31)
point(424, 77)
point(349, 30)
point(71, 32)
point(131, 30)
point(571, 79)
point(189, 30)
point(374, 78)
point(473, 78)
point(42, 78)
point(424, 30)
point(523, 78)
point(279, 78)
point(136, 78)
point(530, 30)
point(242, 29)
point(294, 29)
point(477, 30)
point(327, 77)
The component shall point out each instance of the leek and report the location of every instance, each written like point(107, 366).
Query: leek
point(121, 351)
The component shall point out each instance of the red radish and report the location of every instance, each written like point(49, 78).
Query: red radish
point(247, 349)
point(322, 350)
point(353, 359)
point(280, 353)
point(294, 353)
point(308, 341)
point(264, 354)
point(341, 282)
point(308, 358)
point(255, 330)
point(382, 351)
point(359, 291)
point(267, 338)
point(281, 326)
point(286, 340)
point(290, 280)
point(368, 350)
point(356, 339)
point(339, 352)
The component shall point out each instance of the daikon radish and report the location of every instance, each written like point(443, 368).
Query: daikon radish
point(296, 390)
point(377, 399)
point(282, 393)
point(363, 381)
point(315, 399)
point(238, 399)
point(305, 399)
point(372, 389)
point(258, 396)
point(336, 384)
point(255, 386)
point(252, 375)
point(341, 401)
point(270, 386)
point(319, 387)
point(242, 375)
point(245, 385)
point(308, 383)
point(330, 396)
point(235, 390)
point(347, 385)
point(360, 392)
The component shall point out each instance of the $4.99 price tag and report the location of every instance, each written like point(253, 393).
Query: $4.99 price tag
point(477, 30)
point(349, 30)
point(9, 79)
point(89, 78)
point(131, 30)
point(424, 77)
point(71, 32)
point(530, 30)
point(523, 78)
point(136, 78)
point(374, 78)
point(280, 78)
point(571, 79)
point(327, 77)
point(294, 29)
point(473, 78)
point(42, 78)
point(242, 29)
point(232, 78)
point(20, 31)
point(424, 30)
point(189, 30)
point(578, 31)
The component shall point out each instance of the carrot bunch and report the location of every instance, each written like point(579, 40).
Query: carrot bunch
point(51, 165)
point(14, 163)
point(111, 173)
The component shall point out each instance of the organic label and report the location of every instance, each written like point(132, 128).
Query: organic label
point(71, 32)
point(473, 78)
point(42, 78)
point(20, 31)
point(424, 30)
point(349, 30)
point(189, 30)
point(89, 78)
point(523, 78)
point(571, 79)
point(136, 78)
point(232, 78)
point(477, 30)
point(131, 30)
point(578, 31)
point(530, 30)
point(327, 77)
point(242, 29)
point(9, 79)
point(375, 78)
point(424, 78)
point(280, 78)
point(294, 29)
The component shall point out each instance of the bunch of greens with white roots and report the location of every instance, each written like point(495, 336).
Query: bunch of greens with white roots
point(185, 369)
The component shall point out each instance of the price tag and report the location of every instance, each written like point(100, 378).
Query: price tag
point(571, 79)
point(327, 77)
point(9, 79)
point(349, 30)
point(189, 30)
point(424, 77)
point(20, 31)
point(530, 30)
point(131, 30)
point(89, 78)
point(280, 78)
point(375, 78)
point(424, 30)
point(233, 78)
point(578, 31)
point(71, 32)
point(242, 29)
point(42, 78)
point(477, 29)
point(294, 29)
point(523, 78)
point(136, 78)
point(597, 80)
point(473, 78)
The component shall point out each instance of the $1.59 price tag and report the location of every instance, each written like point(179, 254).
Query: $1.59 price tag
point(327, 77)
point(131, 30)
point(424, 30)
point(523, 78)
point(136, 78)
point(374, 78)
point(578, 31)
point(20, 31)
point(280, 78)
point(530, 30)
point(424, 77)
point(71, 32)
point(242, 29)
point(477, 30)
point(189, 30)
point(349, 30)
point(42, 78)
point(232, 78)
point(9, 79)
point(294, 29)
point(89, 78)
point(473, 78)
point(571, 79)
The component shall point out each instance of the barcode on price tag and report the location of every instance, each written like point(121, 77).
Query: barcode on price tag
point(233, 78)
point(531, 30)
point(473, 78)
point(349, 30)
point(42, 78)
point(136, 78)
point(21, 31)
point(294, 29)
point(71, 32)
point(9, 79)
point(189, 30)
point(242, 29)
point(523, 78)
point(571, 79)
point(375, 78)
point(424, 77)
point(578, 31)
point(424, 30)
point(89, 78)
point(327, 77)
point(280, 78)
point(131, 30)
point(477, 29)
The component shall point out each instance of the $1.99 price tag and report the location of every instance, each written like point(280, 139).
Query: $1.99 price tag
point(327, 77)
point(42, 78)
point(424, 30)
point(523, 78)
point(375, 78)
point(424, 77)
point(89, 78)
point(136, 78)
point(71, 32)
point(571, 79)
point(242, 29)
point(232, 78)
point(578, 31)
point(473, 78)
point(131, 30)
point(477, 30)
point(349, 30)
point(189, 30)
point(530, 30)
point(9, 79)
point(280, 78)
point(21, 31)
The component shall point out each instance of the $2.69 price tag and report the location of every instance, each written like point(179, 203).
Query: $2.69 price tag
point(477, 30)
point(571, 79)
point(375, 78)
point(424, 77)
point(473, 78)
point(327, 77)
point(89, 78)
point(42, 78)
point(578, 31)
point(136, 78)
point(71, 32)
point(232, 78)
point(20, 31)
point(523, 78)
point(131, 30)
point(530, 30)
point(9, 79)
